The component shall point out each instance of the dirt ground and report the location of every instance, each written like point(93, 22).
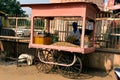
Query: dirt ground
point(12, 72)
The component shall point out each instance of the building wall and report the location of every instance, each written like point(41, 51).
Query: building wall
point(10, 47)
point(103, 60)
point(100, 3)
point(99, 60)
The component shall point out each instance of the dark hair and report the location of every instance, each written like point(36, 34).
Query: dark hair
point(74, 24)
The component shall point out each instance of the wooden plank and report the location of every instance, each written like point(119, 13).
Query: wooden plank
point(107, 18)
point(19, 18)
point(101, 18)
point(110, 50)
point(12, 37)
point(115, 34)
point(69, 18)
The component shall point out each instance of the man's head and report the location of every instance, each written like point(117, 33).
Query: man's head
point(74, 26)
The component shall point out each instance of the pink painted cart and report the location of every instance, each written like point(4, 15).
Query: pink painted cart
point(58, 17)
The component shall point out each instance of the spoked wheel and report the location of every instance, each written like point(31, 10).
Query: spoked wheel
point(71, 71)
point(45, 55)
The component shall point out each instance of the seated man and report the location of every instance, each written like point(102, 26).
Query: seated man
point(74, 36)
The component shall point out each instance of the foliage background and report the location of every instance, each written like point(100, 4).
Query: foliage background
point(11, 7)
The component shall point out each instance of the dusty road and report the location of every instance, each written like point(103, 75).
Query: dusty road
point(12, 72)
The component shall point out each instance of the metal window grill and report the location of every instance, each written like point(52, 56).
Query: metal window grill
point(108, 32)
point(61, 24)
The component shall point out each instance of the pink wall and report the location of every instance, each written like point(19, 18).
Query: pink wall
point(59, 10)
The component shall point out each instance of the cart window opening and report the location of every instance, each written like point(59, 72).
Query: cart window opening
point(89, 33)
point(58, 28)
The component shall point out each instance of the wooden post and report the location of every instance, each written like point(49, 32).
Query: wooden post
point(83, 32)
point(47, 25)
point(1, 46)
point(32, 30)
point(16, 26)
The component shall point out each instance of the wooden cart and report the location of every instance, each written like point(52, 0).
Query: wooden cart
point(59, 17)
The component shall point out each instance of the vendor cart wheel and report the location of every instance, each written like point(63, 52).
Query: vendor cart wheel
point(71, 71)
point(45, 55)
